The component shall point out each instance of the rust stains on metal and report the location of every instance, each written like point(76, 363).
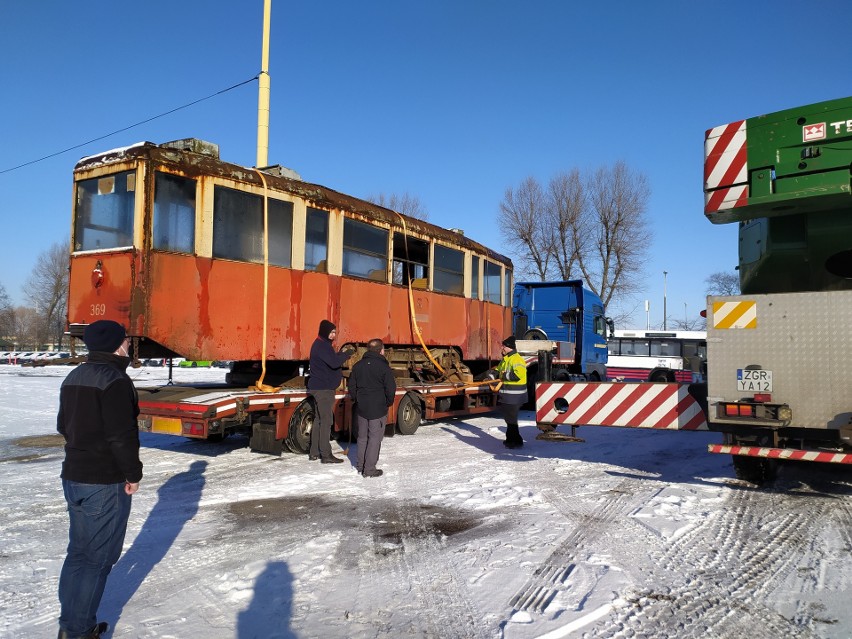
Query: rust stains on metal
point(195, 165)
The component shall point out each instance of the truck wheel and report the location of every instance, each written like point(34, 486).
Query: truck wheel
point(299, 436)
point(408, 415)
point(753, 470)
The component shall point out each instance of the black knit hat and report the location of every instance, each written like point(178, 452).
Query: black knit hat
point(325, 328)
point(104, 335)
point(510, 342)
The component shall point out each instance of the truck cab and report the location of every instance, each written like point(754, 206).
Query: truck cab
point(566, 313)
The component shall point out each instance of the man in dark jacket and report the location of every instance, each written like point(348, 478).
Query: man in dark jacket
point(372, 387)
point(324, 376)
point(98, 407)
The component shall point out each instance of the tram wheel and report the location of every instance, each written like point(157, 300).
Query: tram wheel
point(298, 438)
point(408, 415)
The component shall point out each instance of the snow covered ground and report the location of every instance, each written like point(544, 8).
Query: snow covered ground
point(630, 534)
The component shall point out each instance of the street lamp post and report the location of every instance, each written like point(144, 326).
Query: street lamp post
point(685, 316)
point(665, 274)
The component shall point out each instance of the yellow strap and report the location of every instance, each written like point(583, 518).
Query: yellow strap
point(411, 305)
point(259, 385)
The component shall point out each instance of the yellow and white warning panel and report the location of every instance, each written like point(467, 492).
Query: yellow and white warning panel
point(735, 314)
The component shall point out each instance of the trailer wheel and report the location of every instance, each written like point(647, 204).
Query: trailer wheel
point(753, 470)
point(299, 436)
point(408, 415)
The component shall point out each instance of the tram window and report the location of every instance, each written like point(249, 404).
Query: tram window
point(316, 240)
point(508, 283)
point(238, 227)
point(491, 282)
point(104, 215)
point(410, 260)
point(474, 275)
point(449, 270)
point(174, 213)
point(365, 250)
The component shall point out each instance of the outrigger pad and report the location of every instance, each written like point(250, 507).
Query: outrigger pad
point(559, 437)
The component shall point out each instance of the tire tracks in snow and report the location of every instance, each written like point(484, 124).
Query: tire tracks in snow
point(690, 592)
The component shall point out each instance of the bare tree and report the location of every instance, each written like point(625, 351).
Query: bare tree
point(595, 225)
point(525, 219)
point(723, 283)
point(47, 290)
point(612, 261)
point(25, 331)
point(7, 318)
point(567, 203)
point(404, 203)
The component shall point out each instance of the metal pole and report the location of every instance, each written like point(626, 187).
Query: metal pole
point(263, 86)
point(665, 273)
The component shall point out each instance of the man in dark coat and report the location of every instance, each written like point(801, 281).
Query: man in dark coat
point(98, 407)
point(324, 376)
point(372, 388)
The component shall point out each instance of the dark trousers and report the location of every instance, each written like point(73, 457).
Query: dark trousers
point(99, 514)
point(321, 429)
point(370, 433)
point(510, 414)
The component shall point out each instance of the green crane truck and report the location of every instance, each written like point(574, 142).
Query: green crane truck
point(780, 354)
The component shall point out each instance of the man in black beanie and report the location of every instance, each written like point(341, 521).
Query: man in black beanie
point(325, 373)
point(512, 371)
point(98, 407)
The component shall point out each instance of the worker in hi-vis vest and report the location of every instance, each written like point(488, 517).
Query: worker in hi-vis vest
point(512, 371)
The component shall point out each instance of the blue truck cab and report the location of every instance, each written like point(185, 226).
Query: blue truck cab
point(564, 312)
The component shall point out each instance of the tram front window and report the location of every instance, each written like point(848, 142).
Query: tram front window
point(491, 282)
point(104, 213)
point(174, 213)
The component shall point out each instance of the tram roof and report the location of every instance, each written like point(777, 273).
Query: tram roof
point(196, 164)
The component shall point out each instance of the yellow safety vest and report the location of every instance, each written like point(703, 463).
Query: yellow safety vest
point(512, 371)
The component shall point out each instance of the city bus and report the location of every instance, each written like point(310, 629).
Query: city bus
point(657, 356)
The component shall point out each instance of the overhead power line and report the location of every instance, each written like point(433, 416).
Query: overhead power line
point(151, 119)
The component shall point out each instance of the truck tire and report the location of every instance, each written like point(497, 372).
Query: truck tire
point(408, 415)
point(753, 470)
point(298, 437)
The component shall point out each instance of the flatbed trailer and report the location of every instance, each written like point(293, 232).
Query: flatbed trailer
point(282, 420)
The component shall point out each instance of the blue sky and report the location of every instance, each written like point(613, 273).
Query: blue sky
point(451, 101)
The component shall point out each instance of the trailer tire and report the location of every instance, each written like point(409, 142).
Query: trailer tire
point(753, 470)
point(298, 437)
point(408, 415)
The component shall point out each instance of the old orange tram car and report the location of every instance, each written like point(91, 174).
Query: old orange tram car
point(208, 260)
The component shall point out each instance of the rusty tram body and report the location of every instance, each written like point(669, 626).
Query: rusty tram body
point(207, 260)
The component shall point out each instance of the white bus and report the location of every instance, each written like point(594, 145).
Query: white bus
point(657, 356)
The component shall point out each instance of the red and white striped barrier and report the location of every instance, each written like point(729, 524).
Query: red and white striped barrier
point(725, 167)
point(637, 405)
point(781, 453)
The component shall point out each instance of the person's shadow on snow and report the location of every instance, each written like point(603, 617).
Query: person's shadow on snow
point(177, 503)
point(268, 615)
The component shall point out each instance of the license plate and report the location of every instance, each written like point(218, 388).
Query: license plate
point(751, 381)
